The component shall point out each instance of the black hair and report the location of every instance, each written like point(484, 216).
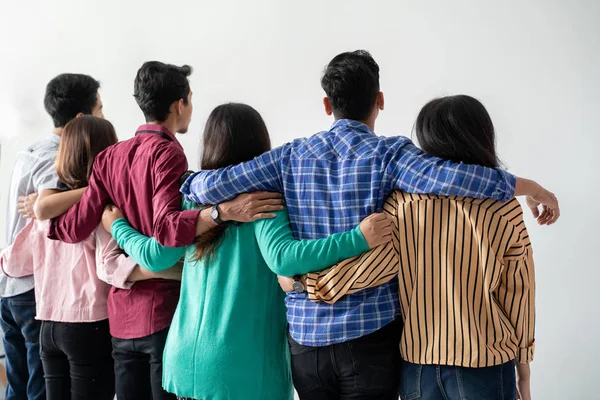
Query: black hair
point(157, 85)
point(234, 133)
point(68, 95)
point(351, 82)
point(457, 128)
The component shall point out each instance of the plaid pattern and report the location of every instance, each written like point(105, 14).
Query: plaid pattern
point(332, 181)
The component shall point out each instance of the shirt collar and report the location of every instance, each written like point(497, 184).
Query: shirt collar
point(351, 124)
point(157, 129)
point(54, 138)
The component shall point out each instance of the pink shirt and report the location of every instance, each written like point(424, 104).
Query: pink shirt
point(72, 281)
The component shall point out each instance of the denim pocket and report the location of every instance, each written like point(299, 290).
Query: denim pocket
point(23, 312)
point(410, 381)
point(305, 371)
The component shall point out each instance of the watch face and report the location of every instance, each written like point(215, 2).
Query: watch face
point(298, 287)
point(214, 213)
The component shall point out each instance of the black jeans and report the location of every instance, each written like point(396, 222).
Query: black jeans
point(363, 368)
point(77, 360)
point(138, 367)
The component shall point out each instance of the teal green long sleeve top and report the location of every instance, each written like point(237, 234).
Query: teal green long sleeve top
point(227, 340)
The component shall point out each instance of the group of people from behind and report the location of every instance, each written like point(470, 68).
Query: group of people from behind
point(405, 272)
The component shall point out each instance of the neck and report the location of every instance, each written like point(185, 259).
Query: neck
point(169, 124)
point(58, 131)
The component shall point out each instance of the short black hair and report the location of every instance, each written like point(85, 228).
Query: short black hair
point(68, 95)
point(351, 82)
point(457, 128)
point(157, 85)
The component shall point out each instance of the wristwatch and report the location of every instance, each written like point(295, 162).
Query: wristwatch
point(214, 214)
point(298, 286)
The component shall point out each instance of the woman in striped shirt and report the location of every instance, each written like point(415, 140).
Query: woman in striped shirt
point(465, 269)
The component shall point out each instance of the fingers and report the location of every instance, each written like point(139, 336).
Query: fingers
point(256, 217)
point(265, 208)
point(535, 211)
point(265, 195)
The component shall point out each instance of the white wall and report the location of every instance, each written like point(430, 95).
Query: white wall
point(535, 64)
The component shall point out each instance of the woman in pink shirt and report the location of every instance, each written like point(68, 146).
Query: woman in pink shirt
point(70, 279)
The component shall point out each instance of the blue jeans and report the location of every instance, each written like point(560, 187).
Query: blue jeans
point(22, 346)
point(440, 382)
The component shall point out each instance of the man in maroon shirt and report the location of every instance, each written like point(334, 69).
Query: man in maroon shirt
point(141, 177)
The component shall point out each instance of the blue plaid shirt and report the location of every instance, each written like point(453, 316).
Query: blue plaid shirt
point(331, 181)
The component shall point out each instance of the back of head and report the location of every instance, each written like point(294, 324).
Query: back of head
point(68, 95)
point(351, 82)
point(234, 133)
point(81, 141)
point(157, 85)
point(457, 128)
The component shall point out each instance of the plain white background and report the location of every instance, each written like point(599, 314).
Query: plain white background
point(535, 65)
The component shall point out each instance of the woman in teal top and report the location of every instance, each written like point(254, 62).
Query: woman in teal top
point(228, 340)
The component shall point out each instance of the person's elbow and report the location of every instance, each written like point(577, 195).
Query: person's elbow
point(42, 212)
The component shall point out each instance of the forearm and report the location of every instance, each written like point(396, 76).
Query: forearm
point(52, 203)
point(147, 252)
point(417, 172)
point(205, 222)
point(218, 186)
point(372, 269)
point(287, 256)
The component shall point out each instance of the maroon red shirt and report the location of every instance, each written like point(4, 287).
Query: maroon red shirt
point(141, 177)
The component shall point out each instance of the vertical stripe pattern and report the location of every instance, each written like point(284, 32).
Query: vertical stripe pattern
point(466, 279)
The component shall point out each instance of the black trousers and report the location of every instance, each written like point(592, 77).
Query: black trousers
point(77, 360)
point(367, 368)
point(138, 367)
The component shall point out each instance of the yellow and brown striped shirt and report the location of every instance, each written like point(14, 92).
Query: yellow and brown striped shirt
point(466, 279)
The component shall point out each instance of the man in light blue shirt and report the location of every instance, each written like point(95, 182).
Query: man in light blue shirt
point(67, 96)
point(331, 181)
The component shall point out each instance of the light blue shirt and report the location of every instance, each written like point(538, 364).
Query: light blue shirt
point(34, 170)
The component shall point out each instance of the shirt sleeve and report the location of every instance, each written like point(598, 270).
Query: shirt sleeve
point(46, 177)
point(413, 171)
point(147, 252)
point(218, 186)
point(112, 265)
point(172, 227)
point(80, 221)
point(16, 261)
point(372, 269)
point(287, 256)
point(516, 292)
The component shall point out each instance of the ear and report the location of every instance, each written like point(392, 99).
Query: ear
point(79, 115)
point(380, 101)
point(180, 106)
point(327, 104)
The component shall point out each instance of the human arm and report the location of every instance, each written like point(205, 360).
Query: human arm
point(81, 219)
point(371, 269)
point(412, 170)
point(263, 173)
point(51, 203)
point(516, 290)
point(287, 256)
point(116, 269)
point(523, 381)
point(145, 251)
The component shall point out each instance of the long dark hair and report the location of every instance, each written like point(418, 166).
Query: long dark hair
point(457, 128)
point(81, 141)
point(234, 133)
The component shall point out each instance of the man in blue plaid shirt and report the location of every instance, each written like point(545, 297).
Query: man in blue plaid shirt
point(331, 181)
